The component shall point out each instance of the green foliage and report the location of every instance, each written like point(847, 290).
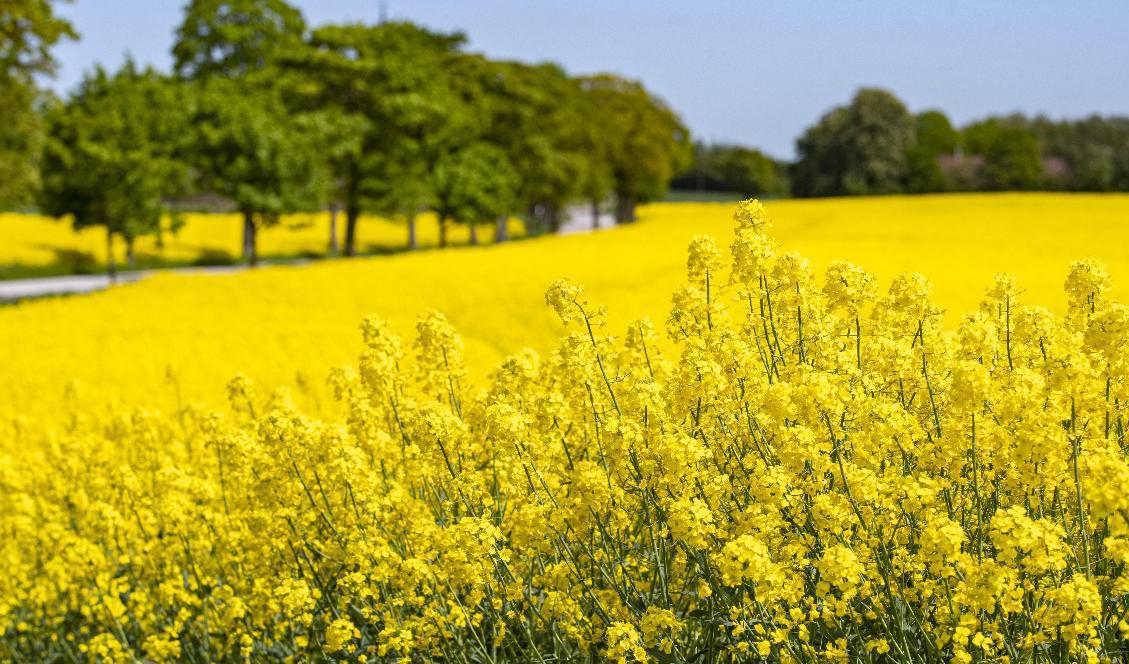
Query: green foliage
point(394, 119)
point(390, 84)
point(856, 149)
point(1010, 152)
point(934, 133)
point(646, 144)
point(113, 151)
point(267, 161)
point(933, 137)
point(537, 115)
point(28, 30)
point(736, 169)
point(473, 185)
point(1096, 150)
point(235, 37)
point(21, 143)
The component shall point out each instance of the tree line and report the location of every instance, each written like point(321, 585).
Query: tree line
point(875, 145)
point(275, 116)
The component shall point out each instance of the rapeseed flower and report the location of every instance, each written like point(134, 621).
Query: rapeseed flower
point(807, 470)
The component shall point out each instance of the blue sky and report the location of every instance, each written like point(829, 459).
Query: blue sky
point(753, 72)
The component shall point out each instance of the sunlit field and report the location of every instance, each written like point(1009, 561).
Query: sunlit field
point(585, 383)
point(285, 325)
point(788, 465)
point(31, 242)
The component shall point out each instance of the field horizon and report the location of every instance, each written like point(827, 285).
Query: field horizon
point(117, 346)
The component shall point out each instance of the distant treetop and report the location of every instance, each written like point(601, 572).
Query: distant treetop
point(235, 37)
point(28, 30)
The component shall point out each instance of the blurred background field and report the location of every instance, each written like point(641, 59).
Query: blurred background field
point(115, 346)
point(34, 245)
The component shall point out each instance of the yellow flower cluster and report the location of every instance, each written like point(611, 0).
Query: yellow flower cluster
point(821, 471)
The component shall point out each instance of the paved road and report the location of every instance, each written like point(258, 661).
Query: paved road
point(22, 289)
point(578, 219)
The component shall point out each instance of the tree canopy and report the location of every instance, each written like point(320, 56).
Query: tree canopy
point(21, 143)
point(1010, 153)
point(391, 119)
point(864, 148)
point(28, 31)
point(114, 152)
point(855, 149)
point(535, 113)
point(933, 137)
point(268, 162)
point(394, 119)
point(475, 184)
point(734, 169)
point(234, 37)
point(390, 82)
point(645, 142)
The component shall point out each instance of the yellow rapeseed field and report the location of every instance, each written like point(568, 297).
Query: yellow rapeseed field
point(286, 325)
point(786, 462)
point(35, 241)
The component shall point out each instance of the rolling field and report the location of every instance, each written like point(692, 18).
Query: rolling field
point(811, 467)
point(286, 325)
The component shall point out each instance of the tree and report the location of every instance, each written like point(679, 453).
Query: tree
point(249, 147)
point(855, 149)
point(597, 180)
point(534, 113)
point(390, 81)
point(28, 31)
point(646, 142)
point(1096, 150)
point(232, 38)
point(112, 155)
point(266, 161)
point(735, 169)
point(21, 143)
point(473, 185)
point(933, 136)
point(1011, 154)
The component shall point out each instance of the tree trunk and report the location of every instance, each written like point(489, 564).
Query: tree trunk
point(595, 214)
point(351, 215)
point(473, 233)
point(130, 253)
point(624, 209)
point(442, 231)
point(334, 208)
point(413, 240)
point(111, 264)
point(553, 218)
point(533, 222)
point(502, 229)
point(250, 243)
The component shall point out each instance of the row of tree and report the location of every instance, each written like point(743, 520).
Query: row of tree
point(276, 117)
point(875, 145)
point(734, 169)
